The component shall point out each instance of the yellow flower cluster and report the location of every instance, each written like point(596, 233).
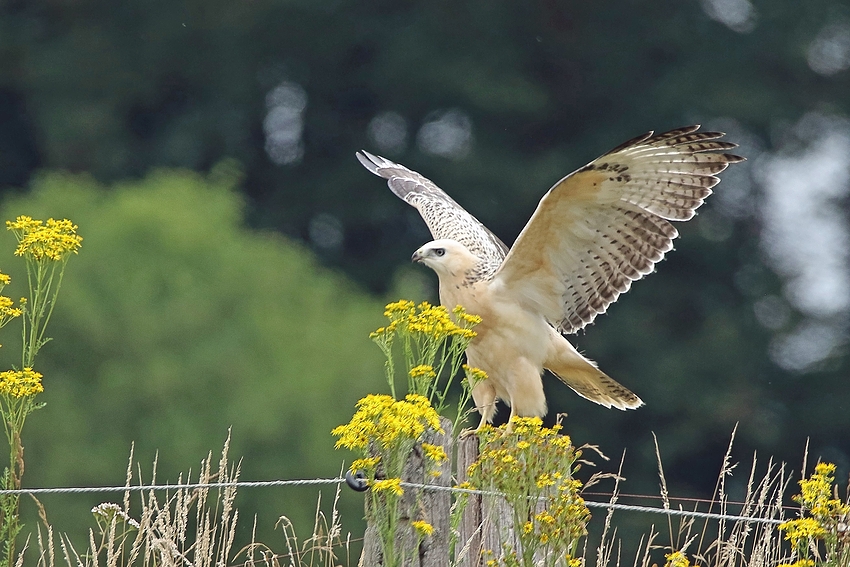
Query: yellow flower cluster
point(826, 511)
point(51, 240)
point(426, 319)
point(816, 493)
point(7, 311)
point(802, 530)
point(423, 371)
point(381, 419)
point(677, 559)
point(366, 464)
point(391, 485)
point(799, 563)
point(564, 519)
point(527, 436)
point(474, 375)
point(468, 319)
point(825, 521)
point(422, 527)
point(434, 452)
point(20, 383)
point(530, 464)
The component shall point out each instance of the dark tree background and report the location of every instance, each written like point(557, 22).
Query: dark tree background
point(746, 323)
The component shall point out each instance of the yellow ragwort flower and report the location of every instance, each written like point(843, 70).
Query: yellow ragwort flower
point(434, 452)
point(463, 317)
point(423, 528)
point(5, 279)
point(802, 529)
point(24, 224)
point(6, 309)
point(392, 485)
point(365, 464)
point(544, 517)
point(52, 240)
point(389, 422)
point(677, 559)
point(474, 375)
point(422, 371)
point(816, 494)
point(425, 319)
point(401, 307)
point(544, 480)
point(20, 383)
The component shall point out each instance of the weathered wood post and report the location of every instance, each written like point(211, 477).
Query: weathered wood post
point(431, 506)
point(488, 521)
point(468, 548)
point(486, 527)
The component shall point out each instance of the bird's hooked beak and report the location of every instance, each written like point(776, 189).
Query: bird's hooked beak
point(417, 256)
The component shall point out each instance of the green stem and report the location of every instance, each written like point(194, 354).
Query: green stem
point(52, 301)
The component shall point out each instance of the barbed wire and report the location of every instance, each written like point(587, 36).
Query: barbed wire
point(340, 480)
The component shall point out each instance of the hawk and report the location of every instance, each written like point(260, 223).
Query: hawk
point(593, 233)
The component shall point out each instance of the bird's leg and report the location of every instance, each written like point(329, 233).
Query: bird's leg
point(509, 427)
point(469, 431)
point(484, 397)
point(487, 413)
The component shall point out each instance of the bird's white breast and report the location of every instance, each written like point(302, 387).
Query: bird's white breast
point(507, 329)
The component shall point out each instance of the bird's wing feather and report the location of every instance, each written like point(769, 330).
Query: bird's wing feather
point(606, 225)
point(444, 217)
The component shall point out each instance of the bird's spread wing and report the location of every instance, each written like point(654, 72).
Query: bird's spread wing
point(606, 224)
point(444, 217)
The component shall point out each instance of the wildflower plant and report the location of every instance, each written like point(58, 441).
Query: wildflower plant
point(46, 248)
point(384, 431)
point(432, 344)
point(532, 466)
point(825, 519)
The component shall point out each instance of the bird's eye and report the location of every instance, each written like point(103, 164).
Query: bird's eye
point(440, 251)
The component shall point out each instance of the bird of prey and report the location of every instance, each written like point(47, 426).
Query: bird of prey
point(594, 232)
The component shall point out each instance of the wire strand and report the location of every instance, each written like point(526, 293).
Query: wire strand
point(336, 481)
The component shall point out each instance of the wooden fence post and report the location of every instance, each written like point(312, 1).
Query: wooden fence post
point(488, 521)
point(468, 548)
point(486, 526)
point(428, 505)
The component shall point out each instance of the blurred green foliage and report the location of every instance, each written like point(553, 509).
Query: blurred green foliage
point(174, 323)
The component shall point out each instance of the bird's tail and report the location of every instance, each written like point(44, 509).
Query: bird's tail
point(582, 375)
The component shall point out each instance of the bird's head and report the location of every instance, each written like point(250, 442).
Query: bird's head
point(446, 257)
